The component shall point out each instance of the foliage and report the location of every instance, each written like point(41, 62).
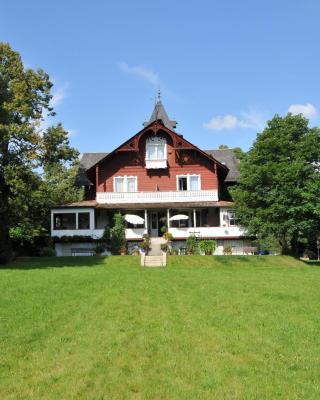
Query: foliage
point(240, 154)
point(270, 244)
point(146, 243)
point(168, 236)
point(47, 252)
point(100, 248)
point(192, 245)
point(227, 250)
point(25, 148)
point(173, 251)
point(279, 189)
point(118, 234)
point(135, 251)
point(164, 247)
point(207, 246)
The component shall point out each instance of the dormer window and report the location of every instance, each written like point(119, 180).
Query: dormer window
point(156, 153)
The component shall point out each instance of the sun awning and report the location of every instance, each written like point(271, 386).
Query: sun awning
point(134, 219)
point(179, 217)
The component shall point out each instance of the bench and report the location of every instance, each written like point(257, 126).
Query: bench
point(83, 251)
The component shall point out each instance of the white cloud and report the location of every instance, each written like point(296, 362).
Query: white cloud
point(146, 74)
point(58, 96)
point(307, 110)
point(251, 119)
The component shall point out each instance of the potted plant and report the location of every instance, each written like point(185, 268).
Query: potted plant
point(99, 249)
point(207, 246)
point(227, 250)
point(174, 251)
point(164, 247)
point(192, 245)
point(135, 251)
point(123, 250)
point(145, 245)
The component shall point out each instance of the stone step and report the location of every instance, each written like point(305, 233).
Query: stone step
point(153, 261)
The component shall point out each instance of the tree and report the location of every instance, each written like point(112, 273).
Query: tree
point(118, 234)
point(239, 153)
point(24, 101)
point(279, 189)
point(223, 147)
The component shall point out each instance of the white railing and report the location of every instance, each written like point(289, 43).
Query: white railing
point(207, 232)
point(156, 197)
point(134, 233)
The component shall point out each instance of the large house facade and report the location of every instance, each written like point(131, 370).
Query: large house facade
point(161, 177)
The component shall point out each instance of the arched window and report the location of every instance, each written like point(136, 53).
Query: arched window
point(156, 152)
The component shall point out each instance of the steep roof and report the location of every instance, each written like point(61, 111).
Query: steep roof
point(225, 156)
point(86, 162)
point(228, 158)
point(160, 114)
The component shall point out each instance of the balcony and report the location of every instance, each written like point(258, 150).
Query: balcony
point(207, 232)
point(131, 234)
point(156, 197)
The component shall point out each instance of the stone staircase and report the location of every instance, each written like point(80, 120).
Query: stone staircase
point(156, 257)
point(156, 246)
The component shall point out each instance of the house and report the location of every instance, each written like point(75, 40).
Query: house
point(161, 177)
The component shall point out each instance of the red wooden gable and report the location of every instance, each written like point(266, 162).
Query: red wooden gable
point(180, 146)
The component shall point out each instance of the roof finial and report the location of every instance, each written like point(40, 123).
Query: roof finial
point(159, 94)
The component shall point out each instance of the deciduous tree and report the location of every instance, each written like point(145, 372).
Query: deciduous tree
point(279, 189)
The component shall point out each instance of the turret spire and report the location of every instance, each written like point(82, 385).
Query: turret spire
point(159, 114)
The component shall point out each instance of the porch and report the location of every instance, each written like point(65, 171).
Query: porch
point(204, 222)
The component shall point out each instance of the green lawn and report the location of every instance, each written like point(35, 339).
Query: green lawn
point(203, 328)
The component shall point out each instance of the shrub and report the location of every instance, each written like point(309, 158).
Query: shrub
point(146, 243)
point(135, 251)
point(227, 250)
point(100, 248)
point(118, 234)
point(168, 236)
point(47, 252)
point(192, 244)
point(207, 246)
point(174, 251)
point(164, 247)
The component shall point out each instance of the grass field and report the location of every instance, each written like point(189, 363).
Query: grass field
point(203, 328)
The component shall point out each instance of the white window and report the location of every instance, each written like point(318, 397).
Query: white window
point(188, 182)
point(232, 218)
point(125, 184)
point(229, 217)
point(156, 152)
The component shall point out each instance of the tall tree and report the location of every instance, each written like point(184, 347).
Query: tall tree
point(24, 100)
point(279, 189)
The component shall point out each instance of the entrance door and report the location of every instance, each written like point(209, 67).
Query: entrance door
point(154, 224)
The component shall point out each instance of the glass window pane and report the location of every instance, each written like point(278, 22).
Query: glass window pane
point(131, 183)
point(119, 184)
point(194, 183)
point(151, 152)
point(182, 183)
point(64, 221)
point(84, 220)
point(160, 155)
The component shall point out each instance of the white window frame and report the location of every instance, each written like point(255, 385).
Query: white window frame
point(188, 176)
point(125, 183)
point(156, 142)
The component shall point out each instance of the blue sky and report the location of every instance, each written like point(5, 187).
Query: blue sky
point(224, 67)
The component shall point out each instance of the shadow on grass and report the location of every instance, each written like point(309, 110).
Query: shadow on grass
point(54, 262)
point(311, 263)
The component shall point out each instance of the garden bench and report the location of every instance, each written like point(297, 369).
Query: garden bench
point(83, 250)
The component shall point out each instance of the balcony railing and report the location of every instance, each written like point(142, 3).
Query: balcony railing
point(157, 197)
point(207, 232)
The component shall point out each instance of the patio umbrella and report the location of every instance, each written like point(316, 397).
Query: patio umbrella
point(134, 219)
point(179, 217)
